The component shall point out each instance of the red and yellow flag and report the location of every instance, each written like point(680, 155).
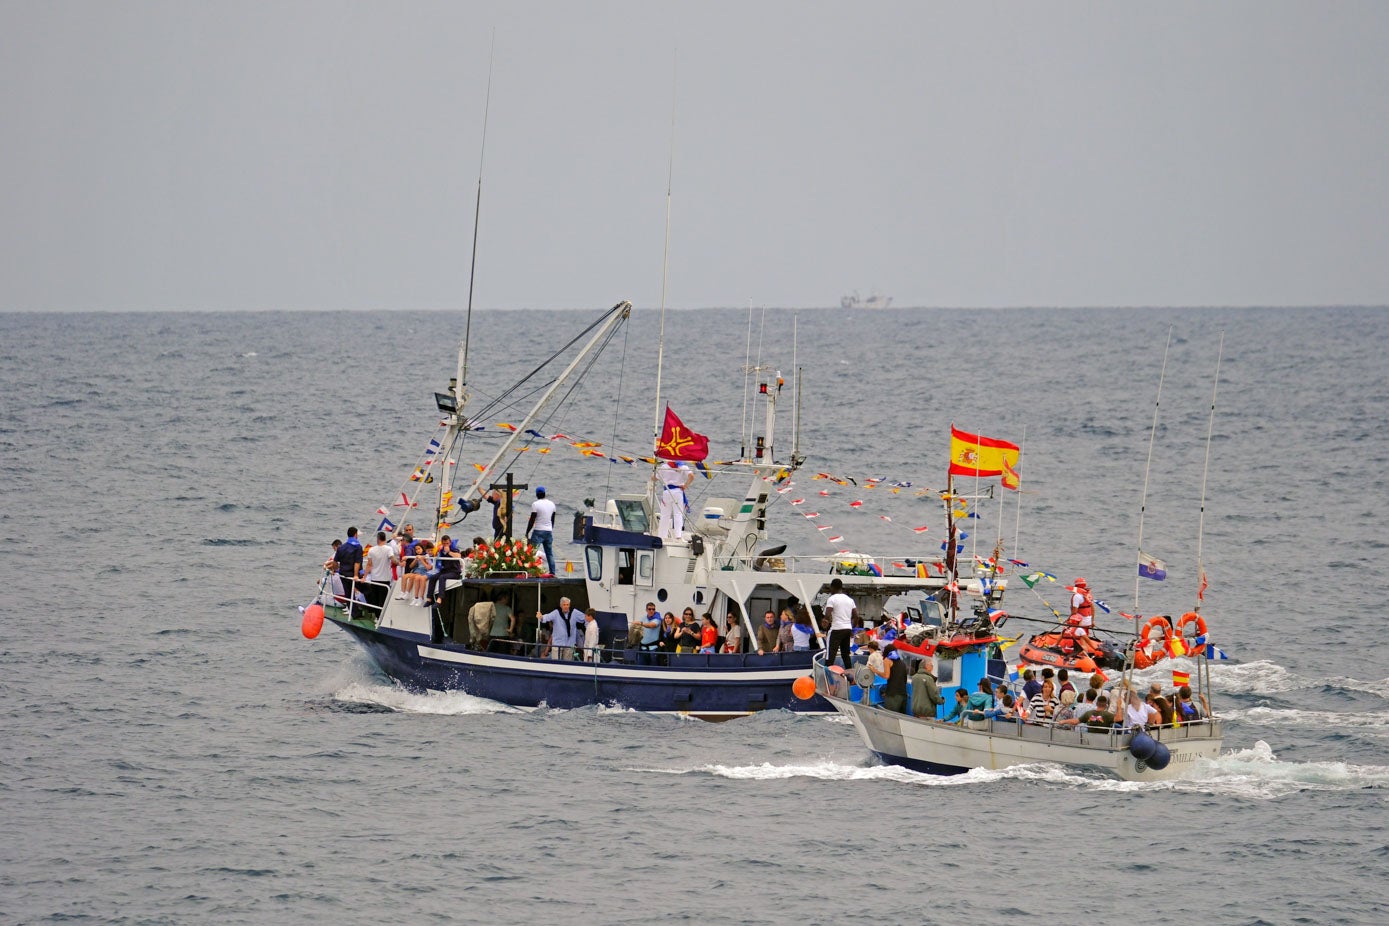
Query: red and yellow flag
point(678, 442)
point(1180, 678)
point(976, 455)
point(1011, 479)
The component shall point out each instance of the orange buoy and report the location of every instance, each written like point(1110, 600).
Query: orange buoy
point(1086, 664)
point(803, 688)
point(313, 621)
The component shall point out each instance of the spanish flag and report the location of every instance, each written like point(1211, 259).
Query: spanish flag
point(1180, 678)
point(1011, 479)
point(976, 455)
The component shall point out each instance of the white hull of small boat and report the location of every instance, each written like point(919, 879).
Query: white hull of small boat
point(951, 749)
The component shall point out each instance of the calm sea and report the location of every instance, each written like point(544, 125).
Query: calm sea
point(175, 752)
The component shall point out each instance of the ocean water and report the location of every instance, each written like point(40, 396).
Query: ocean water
point(175, 752)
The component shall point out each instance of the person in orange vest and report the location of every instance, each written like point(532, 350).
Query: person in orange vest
point(1082, 619)
point(1082, 608)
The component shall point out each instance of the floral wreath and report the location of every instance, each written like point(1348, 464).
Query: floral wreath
point(518, 556)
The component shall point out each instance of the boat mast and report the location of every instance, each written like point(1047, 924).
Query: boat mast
point(1205, 469)
point(747, 389)
point(1201, 521)
point(665, 268)
point(477, 215)
point(796, 386)
point(1152, 436)
point(456, 421)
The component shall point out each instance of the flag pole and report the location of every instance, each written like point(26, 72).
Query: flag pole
point(950, 539)
point(1147, 469)
point(1017, 523)
point(665, 262)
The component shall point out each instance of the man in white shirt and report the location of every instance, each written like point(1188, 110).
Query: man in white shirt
point(379, 560)
point(541, 526)
point(842, 611)
point(590, 636)
point(675, 479)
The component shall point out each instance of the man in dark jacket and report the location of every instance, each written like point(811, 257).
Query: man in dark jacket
point(926, 696)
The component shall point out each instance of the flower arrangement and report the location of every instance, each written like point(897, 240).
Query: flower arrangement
point(517, 556)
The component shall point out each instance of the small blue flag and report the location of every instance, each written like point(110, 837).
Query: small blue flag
point(1215, 652)
point(385, 526)
point(1103, 606)
point(1150, 567)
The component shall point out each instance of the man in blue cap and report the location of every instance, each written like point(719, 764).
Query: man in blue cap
point(541, 526)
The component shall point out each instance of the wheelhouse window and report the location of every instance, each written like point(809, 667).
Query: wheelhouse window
point(593, 557)
point(633, 515)
point(626, 566)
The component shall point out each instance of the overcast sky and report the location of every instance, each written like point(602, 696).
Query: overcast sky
point(325, 155)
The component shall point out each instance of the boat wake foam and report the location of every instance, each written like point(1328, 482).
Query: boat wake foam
point(1253, 773)
point(825, 770)
point(1265, 677)
point(452, 703)
point(1256, 772)
point(1331, 720)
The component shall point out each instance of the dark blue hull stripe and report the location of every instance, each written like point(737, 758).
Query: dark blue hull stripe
point(920, 765)
point(419, 665)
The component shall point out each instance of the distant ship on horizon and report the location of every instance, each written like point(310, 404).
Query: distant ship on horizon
point(874, 300)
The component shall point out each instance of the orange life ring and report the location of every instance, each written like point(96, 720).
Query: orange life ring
point(1141, 657)
point(1145, 637)
point(1191, 617)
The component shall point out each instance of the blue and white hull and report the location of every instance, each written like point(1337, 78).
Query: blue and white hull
point(707, 686)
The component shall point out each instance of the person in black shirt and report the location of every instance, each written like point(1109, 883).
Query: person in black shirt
point(349, 562)
point(895, 692)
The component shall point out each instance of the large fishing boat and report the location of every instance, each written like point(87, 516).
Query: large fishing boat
point(723, 561)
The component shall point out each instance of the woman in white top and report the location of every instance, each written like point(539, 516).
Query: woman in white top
point(1136, 714)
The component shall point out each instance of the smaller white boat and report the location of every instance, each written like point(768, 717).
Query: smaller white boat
point(874, 300)
point(940, 748)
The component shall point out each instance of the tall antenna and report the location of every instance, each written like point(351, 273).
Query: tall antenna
point(477, 214)
point(1201, 522)
point(1152, 436)
point(747, 391)
point(665, 260)
point(796, 374)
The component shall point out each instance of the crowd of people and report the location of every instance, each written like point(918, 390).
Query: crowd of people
point(1048, 698)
